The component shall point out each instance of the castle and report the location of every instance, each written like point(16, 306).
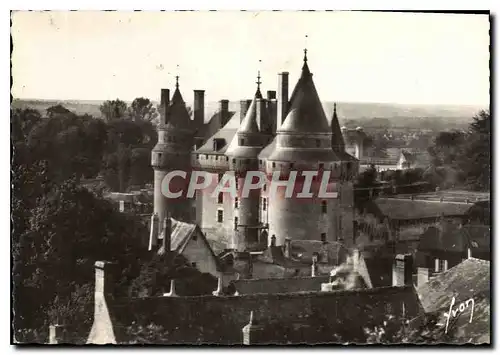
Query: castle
point(272, 135)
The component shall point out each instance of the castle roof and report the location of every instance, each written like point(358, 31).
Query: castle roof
point(306, 114)
point(177, 114)
point(337, 138)
point(249, 123)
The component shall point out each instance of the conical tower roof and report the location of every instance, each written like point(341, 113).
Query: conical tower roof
point(306, 113)
point(337, 138)
point(177, 115)
point(249, 123)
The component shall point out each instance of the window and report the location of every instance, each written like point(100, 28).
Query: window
point(242, 142)
point(159, 156)
point(195, 237)
point(323, 237)
point(321, 165)
point(291, 165)
point(220, 216)
point(436, 265)
point(264, 204)
point(236, 202)
point(193, 265)
point(227, 158)
point(235, 223)
point(197, 156)
point(260, 161)
point(318, 143)
point(264, 187)
point(274, 164)
point(220, 198)
point(323, 206)
point(216, 157)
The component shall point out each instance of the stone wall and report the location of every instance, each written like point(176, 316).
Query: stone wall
point(211, 319)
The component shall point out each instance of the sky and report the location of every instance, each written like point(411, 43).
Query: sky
point(406, 58)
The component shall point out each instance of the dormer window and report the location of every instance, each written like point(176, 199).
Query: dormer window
point(219, 143)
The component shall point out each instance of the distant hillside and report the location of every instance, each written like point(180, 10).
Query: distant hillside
point(398, 115)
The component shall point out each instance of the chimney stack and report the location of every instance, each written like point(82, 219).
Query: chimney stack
point(102, 329)
point(153, 234)
point(167, 232)
point(218, 292)
point(244, 106)
point(288, 247)
point(56, 334)
point(223, 112)
point(423, 275)
point(261, 115)
point(199, 108)
point(164, 102)
point(314, 266)
point(402, 270)
point(282, 99)
point(172, 292)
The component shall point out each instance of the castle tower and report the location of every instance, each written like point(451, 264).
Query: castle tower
point(172, 152)
point(243, 159)
point(304, 143)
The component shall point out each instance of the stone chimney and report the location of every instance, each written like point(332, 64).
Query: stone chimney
point(314, 266)
point(253, 332)
point(167, 233)
point(282, 109)
point(199, 108)
point(288, 247)
point(218, 292)
point(172, 292)
point(223, 112)
point(261, 115)
point(164, 102)
point(102, 331)
point(402, 270)
point(244, 106)
point(423, 275)
point(153, 234)
point(56, 334)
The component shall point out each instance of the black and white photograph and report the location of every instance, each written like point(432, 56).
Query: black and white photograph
point(249, 178)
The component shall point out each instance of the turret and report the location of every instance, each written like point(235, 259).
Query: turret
point(172, 151)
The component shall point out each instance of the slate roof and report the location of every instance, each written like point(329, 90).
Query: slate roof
point(403, 209)
point(177, 114)
point(305, 113)
point(337, 138)
point(469, 279)
point(463, 281)
point(279, 285)
point(182, 233)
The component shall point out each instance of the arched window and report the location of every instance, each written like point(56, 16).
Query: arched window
point(220, 198)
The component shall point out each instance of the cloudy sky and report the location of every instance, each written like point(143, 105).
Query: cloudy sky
point(360, 57)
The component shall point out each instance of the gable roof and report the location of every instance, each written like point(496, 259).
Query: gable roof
point(182, 233)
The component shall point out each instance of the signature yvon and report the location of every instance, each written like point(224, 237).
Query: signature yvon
point(453, 313)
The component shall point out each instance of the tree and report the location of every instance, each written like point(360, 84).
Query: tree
point(475, 161)
point(142, 109)
point(112, 110)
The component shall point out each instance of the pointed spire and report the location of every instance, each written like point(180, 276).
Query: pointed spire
point(177, 78)
point(335, 110)
point(258, 94)
point(337, 138)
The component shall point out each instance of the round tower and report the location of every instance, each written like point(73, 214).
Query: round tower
point(304, 143)
point(243, 158)
point(172, 152)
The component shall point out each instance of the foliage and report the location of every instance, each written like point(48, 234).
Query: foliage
point(463, 158)
point(112, 110)
point(367, 178)
point(142, 109)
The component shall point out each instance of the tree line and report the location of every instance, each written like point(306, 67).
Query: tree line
point(60, 228)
